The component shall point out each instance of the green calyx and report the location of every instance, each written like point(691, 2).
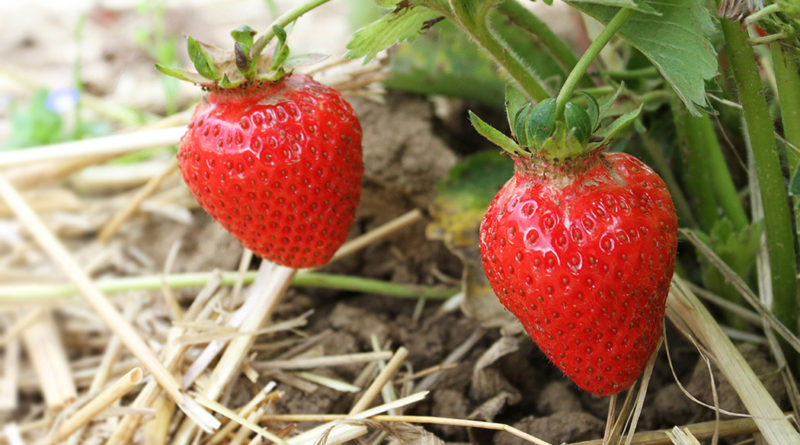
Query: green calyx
point(224, 69)
point(539, 131)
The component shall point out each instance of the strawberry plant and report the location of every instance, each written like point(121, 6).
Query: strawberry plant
point(580, 243)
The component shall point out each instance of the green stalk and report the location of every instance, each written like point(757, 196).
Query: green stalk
point(697, 179)
point(787, 76)
point(283, 21)
point(473, 22)
point(661, 164)
point(588, 57)
point(30, 293)
point(721, 181)
point(561, 52)
point(780, 236)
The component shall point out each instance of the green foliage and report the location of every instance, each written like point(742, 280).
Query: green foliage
point(640, 6)
point(676, 42)
point(441, 62)
point(161, 44)
point(494, 135)
point(738, 249)
point(463, 196)
point(34, 125)
point(203, 63)
point(396, 26)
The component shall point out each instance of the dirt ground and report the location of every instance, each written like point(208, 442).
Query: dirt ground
point(410, 142)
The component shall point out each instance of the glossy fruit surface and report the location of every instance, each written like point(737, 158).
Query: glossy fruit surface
point(583, 256)
point(279, 165)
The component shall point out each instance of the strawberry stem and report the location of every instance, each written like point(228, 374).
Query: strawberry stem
point(588, 57)
point(284, 20)
point(514, 12)
point(786, 64)
point(777, 217)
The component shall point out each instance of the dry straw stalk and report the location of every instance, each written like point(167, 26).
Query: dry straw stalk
point(95, 298)
point(684, 307)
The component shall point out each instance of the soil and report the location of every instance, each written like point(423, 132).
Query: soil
point(501, 377)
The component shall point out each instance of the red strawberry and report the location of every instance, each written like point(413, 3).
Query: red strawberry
point(278, 164)
point(582, 252)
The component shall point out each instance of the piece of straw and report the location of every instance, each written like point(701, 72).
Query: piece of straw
point(105, 398)
point(49, 360)
point(386, 373)
point(326, 361)
point(95, 298)
point(265, 294)
point(378, 233)
point(772, 423)
point(9, 389)
point(117, 144)
point(134, 203)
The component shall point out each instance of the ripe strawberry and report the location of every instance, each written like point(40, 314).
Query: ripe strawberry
point(582, 252)
point(273, 157)
point(278, 164)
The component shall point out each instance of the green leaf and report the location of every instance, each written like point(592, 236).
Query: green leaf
point(441, 62)
point(578, 121)
point(34, 125)
point(281, 49)
point(244, 35)
point(515, 102)
point(633, 4)
point(612, 130)
point(464, 194)
point(494, 135)
point(541, 122)
point(398, 25)
point(182, 74)
point(593, 109)
point(204, 64)
point(794, 184)
point(676, 43)
point(607, 104)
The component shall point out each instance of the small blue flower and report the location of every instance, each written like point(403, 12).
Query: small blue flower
point(62, 100)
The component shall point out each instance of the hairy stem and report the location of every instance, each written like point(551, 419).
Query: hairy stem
point(561, 52)
point(780, 236)
point(473, 22)
point(588, 57)
point(787, 76)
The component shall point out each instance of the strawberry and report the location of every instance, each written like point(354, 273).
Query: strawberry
point(583, 258)
point(275, 158)
point(580, 246)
